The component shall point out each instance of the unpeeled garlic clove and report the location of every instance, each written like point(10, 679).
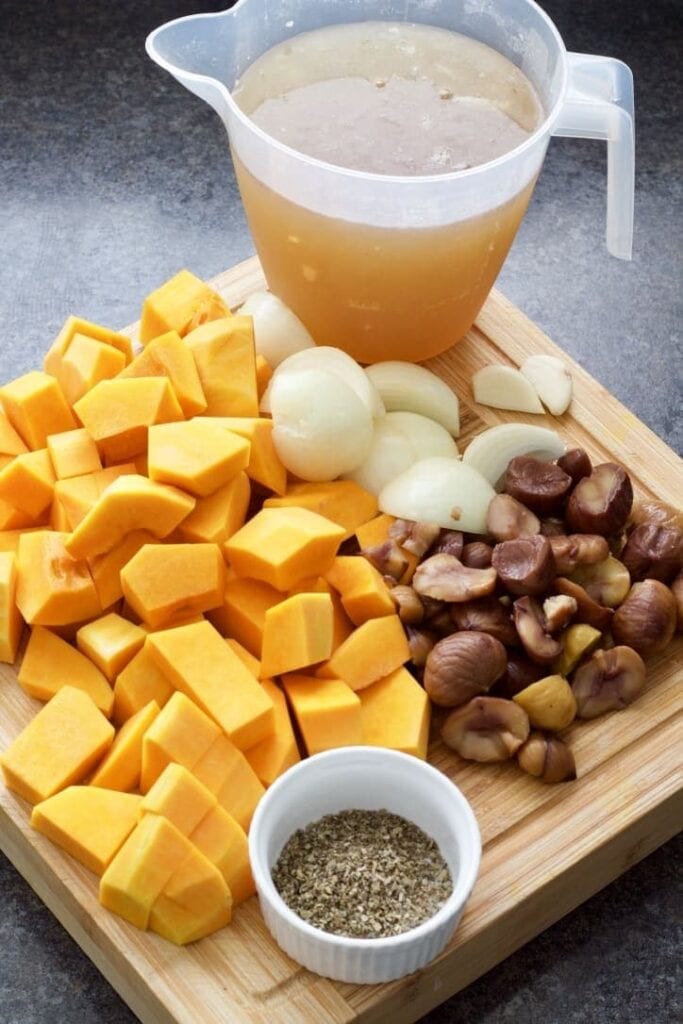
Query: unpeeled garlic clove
point(551, 380)
point(504, 387)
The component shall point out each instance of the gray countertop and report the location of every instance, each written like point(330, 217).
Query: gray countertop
point(112, 177)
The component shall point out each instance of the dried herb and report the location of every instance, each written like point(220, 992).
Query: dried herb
point(364, 874)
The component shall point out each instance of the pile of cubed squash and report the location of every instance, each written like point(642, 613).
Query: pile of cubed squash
point(193, 629)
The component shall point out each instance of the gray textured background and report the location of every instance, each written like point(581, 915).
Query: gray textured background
point(112, 177)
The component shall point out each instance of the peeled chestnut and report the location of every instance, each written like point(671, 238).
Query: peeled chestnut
point(408, 605)
point(600, 503)
point(487, 615)
point(531, 627)
point(576, 464)
point(486, 729)
point(608, 681)
point(541, 486)
point(575, 549)
point(587, 610)
point(654, 552)
point(519, 673)
point(420, 642)
point(476, 555)
point(646, 621)
point(546, 758)
point(447, 579)
point(414, 537)
point(525, 565)
point(507, 518)
point(449, 542)
point(463, 665)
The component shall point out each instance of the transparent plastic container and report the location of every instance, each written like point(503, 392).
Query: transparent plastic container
point(421, 225)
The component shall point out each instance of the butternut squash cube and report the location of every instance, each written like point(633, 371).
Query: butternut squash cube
point(137, 874)
point(139, 683)
point(297, 633)
point(58, 747)
point(181, 732)
point(169, 356)
point(77, 325)
point(12, 518)
point(282, 546)
point(180, 797)
point(264, 371)
point(180, 304)
point(226, 772)
point(118, 413)
point(121, 766)
point(264, 465)
point(220, 838)
point(106, 569)
point(11, 622)
point(195, 902)
point(163, 581)
point(53, 587)
point(27, 482)
point(364, 594)
point(219, 515)
point(201, 665)
point(279, 751)
point(243, 612)
point(73, 453)
point(50, 663)
point(395, 712)
point(373, 651)
point(110, 642)
point(376, 532)
point(90, 824)
point(197, 456)
point(85, 363)
point(9, 539)
point(327, 712)
point(36, 407)
point(248, 660)
point(78, 494)
point(223, 351)
point(343, 501)
point(342, 627)
point(130, 503)
point(10, 442)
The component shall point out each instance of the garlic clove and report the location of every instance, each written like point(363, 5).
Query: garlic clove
point(504, 387)
point(552, 381)
point(492, 450)
point(405, 387)
point(331, 360)
point(439, 490)
point(278, 332)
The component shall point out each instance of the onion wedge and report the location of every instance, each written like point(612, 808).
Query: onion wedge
point(278, 332)
point(491, 451)
point(439, 490)
point(409, 388)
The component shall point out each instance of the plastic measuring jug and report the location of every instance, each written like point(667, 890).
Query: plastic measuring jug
point(387, 266)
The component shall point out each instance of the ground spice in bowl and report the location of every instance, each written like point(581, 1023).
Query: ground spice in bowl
point(363, 874)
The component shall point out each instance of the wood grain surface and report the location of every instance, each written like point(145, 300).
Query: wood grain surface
point(546, 848)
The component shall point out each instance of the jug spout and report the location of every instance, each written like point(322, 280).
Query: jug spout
point(196, 50)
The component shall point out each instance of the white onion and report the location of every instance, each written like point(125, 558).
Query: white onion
point(399, 440)
point(321, 428)
point(504, 387)
point(410, 388)
point(439, 490)
point(278, 332)
point(332, 360)
point(551, 379)
point(491, 451)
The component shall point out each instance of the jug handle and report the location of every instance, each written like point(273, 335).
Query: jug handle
point(599, 105)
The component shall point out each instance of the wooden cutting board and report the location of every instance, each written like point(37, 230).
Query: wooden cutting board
point(546, 848)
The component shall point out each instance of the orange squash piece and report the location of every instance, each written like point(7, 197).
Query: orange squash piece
point(36, 407)
point(195, 902)
point(283, 546)
point(264, 371)
point(77, 325)
point(140, 682)
point(28, 481)
point(78, 494)
point(248, 660)
point(53, 587)
point(180, 304)
point(279, 751)
point(226, 772)
point(199, 663)
point(179, 796)
point(11, 622)
point(90, 824)
point(121, 766)
point(219, 515)
point(163, 581)
point(12, 518)
point(110, 642)
point(169, 356)
point(264, 466)
point(243, 612)
point(197, 455)
point(223, 351)
point(297, 633)
point(375, 532)
point(58, 747)
point(73, 453)
point(130, 503)
point(181, 732)
point(10, 442)
point(364, 594)
point(373, 650)
point(118, 413)
point(327, 712)
point(85, 363)
point(343, 501)
point(106, 569)
point(51, 663)
point(9, 539)
point(395, 713)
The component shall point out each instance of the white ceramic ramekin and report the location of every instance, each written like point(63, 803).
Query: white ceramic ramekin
point(367, 778)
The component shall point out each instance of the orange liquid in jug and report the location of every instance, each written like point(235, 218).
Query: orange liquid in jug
point(396, 99)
